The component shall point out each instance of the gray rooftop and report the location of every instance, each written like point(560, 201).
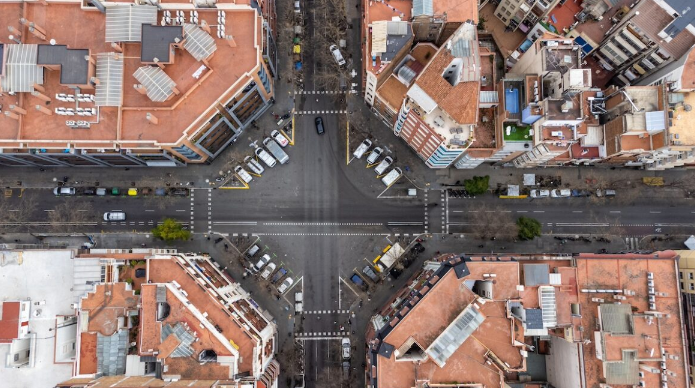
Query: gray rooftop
point(157, 41)
point(74, 67)
point(625, 372)
point(617, 319)
point(185, 338)
point(111, 353)
point(398, 35)
point(422, 7)
point(687, 16)
point(534, 318)
point(124, 21)
point(536, 274)
point(109, 92)
point(21, 68)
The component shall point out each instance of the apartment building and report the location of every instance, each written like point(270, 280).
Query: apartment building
point(143, 84)
point(522, 15)
point(648, 37)
point(533, 321)
point(131, 317)
point(686, 276)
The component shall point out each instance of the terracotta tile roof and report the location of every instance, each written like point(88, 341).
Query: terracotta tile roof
point(457, 10)
point(392, 92)
point(168, 346)
point(460, 101)
point(9, 325)
point(88, 353)
point(652, 19)
point(104, 310)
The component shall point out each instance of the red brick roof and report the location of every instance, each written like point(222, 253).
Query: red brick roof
point(9, 325)
point(460, 101)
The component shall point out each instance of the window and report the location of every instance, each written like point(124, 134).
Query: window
point(16, 356)
point(680, 275)
point(508, 13)
point(692, 286)
point(690, 275)
point(28, 352)
point(682, 286)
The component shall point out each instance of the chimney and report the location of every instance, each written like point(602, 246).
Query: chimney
point(14, 31)
point(141, 89)
point(230, 41)
point(27, 23)
point(176, 91)
point(37, 33)
point(95, 81)
point(90, 59)
point(205, 26)
point(11, 115)
point(116, 47)
point(40, 96)
point(152, 119)
point(17, 109)
point(44, 110)
point(156, 61)
point(39, 88)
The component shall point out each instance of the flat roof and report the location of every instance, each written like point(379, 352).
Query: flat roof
point(157, 41)
point(127, 126)
point(39, 275)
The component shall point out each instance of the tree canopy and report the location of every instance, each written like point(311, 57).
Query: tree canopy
point(170, 230)
point(529, 228)
point(477, 185)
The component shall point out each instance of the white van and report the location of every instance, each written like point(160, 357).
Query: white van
point(392, 176)
point(275, 149)
point(363, 147)
point(337, 55)
point(386, 163)
point(265, 157)
point(243, 175)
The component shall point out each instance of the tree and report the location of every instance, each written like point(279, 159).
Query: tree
point(71, 216)
point(529, 228)
point(492, 222)
point(170, 230)
point(477, 185)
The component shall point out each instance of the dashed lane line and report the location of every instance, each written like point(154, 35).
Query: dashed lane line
point(324, 223)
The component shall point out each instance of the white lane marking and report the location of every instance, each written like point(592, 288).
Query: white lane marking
point(614, 211)
point(654, 212)
point(539, 211)
point(576, 211)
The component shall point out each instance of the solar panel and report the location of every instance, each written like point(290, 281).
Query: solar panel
point(198, 42)
point(656, 121)
point(21, 68)
point(109, 92)
point(455, 334)
point(548, 307)
point(158, 84)
point(124, 21)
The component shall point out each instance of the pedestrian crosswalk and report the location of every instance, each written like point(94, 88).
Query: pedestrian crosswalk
point(323, 91)
point(319, 335)
point(319, 112)
point(327, 312)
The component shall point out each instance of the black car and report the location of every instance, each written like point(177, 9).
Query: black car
point(319, 125)
point(90, 191)
point(179, 192)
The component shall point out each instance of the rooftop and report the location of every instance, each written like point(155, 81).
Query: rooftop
point(636, 330)
point(683, 130)
point(179, 115)
point(26, 276)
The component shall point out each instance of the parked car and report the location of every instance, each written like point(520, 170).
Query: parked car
point(605, 193)
point(276, 150)
point(280, 138)
point(278, 275)
point(265, 157)
point(132, 192)
point(64, 191)
point(160, 192)
point(319, 125)
point(363, 147)
point(374, 156)
point(115, 191)
point(560, 193)
point(357, 280)
point(392, 176)
point(337, 55)
point(268, 270)
point(262, 262)
point(581, 193)
point(540, 193)
point(254, 165)
point(89, 191)
point(182, 192)
point(345, 345)
point(243, 174)
point(114, 216)
point(101, 191)
point(384, 165)
point(367, 270)
point(285, 285)
point(252, 251)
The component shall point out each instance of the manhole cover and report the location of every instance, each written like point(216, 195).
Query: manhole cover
point(687, 107)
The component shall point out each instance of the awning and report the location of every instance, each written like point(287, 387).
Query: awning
point(109, 91)
point(124, 21)
point(198, 42)
point(21, 69)
point(158, 84)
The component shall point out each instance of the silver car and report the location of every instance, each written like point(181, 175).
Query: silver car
point(253, 165)
point(64, 191)
point(265, 157)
